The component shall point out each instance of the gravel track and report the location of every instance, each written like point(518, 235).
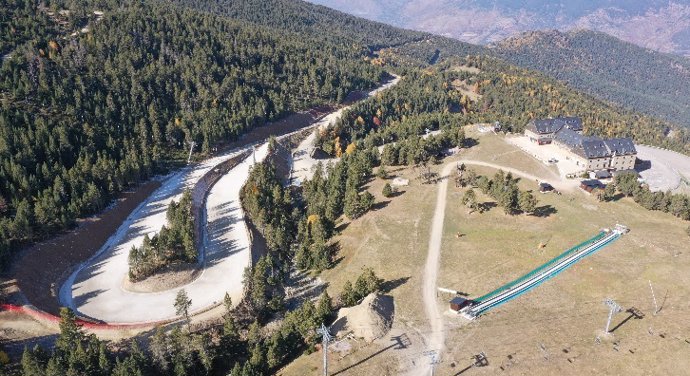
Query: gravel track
point(435, 338)
point(95, 289)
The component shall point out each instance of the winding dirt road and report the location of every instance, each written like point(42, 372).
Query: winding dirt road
point(95, 289)
point(436, 336)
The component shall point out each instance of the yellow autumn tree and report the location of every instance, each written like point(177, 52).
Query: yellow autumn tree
point(312, 219)
point(338, 148)
point(351, 148)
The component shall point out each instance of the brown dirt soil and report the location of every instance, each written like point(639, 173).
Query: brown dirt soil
point(369, 320)
point(18, 330)
point(281, 127)
point(170, 277)
point(40, 269)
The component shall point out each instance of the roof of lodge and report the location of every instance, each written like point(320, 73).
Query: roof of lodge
point(570, 138)
point(602, 174)
point(594, 147)
point(621, 146)
point(545, 126)
point(594, 183)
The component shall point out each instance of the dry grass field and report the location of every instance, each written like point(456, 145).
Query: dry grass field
point(552, 329)
point(549, 330)
point(392, 240)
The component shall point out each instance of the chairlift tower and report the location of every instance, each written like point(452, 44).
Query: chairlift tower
point(613, 309)
point(480, 360)
point(325, 338)
point(191, 148)
point(433, 359)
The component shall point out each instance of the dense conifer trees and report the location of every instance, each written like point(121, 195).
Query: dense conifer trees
point(174, 243)
point(83, 116)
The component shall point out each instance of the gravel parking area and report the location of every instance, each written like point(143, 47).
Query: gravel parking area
point(667, 169)
point(544, 153)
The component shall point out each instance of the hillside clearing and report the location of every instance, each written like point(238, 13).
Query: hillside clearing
point(551, 329)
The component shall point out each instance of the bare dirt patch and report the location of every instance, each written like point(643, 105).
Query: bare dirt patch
point(369, 320)
point(40, 269)
point(18, 330)
point(464, 68)
point(172, 276)
point(465, 89)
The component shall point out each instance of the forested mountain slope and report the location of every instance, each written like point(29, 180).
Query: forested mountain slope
point(21, 23)
point(303, 18)
point(84, 115)
point(483, 89)
point(510, 94)
point(608, 68)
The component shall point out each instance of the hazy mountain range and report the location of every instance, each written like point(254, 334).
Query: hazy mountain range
point(608, 68)
point(656, 24)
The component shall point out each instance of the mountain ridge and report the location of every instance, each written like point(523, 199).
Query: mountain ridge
point(659, 25)
point(608, 68)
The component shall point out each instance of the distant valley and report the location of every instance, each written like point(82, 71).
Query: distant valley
point(658, 25)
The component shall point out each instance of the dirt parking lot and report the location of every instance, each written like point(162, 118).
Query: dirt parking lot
point(544, 153)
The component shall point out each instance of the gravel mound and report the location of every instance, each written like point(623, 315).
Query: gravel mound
point(369, 320)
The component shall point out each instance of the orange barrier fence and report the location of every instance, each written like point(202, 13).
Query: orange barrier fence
point(37, 314)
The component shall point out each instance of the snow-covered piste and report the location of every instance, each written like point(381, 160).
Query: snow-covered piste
point(95, 290)
point(303, 162)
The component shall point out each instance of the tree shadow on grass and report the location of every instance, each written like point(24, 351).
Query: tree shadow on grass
point(396, 194)
point(544, 211)
point(333, 251)
point(342, 226)
point(15, 347)
point(335, 262)
point(391, 285)
point(380, 205)
point(470, 142)
point(486, 206)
